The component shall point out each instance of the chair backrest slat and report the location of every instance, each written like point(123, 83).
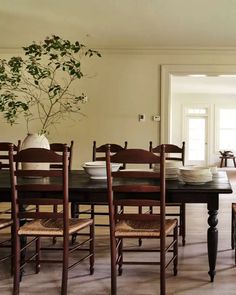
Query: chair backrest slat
point(4, 148)
point(39, 187)
point(170, 149)
point(99, 153)
point(43, 156)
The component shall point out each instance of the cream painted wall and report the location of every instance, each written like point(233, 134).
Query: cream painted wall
point(120, 86)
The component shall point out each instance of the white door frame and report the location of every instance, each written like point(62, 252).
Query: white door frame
point(182, 70)
point(185, 118)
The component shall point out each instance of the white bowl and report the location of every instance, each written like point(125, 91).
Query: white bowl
point(98, 171)
point(195, 175)
point(194, 170)
point(96, 163)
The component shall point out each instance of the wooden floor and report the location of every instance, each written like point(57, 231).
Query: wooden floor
point(192, 276)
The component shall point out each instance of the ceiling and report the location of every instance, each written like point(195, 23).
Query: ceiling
point(127, 24)
point(121, 23)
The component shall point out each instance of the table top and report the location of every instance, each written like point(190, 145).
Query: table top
point(79, 180)
point(220, 184)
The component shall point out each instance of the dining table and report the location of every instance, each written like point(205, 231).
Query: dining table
point(84, 190)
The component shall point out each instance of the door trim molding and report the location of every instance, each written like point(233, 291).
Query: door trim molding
point(182, 70)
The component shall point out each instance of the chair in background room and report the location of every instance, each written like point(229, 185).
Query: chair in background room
point(6, 210)
point(174, 153)
point(45, 223)
point(99, 154)
point(134, 189)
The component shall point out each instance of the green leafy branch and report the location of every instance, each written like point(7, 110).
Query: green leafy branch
point(38, 85)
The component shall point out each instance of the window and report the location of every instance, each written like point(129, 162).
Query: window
point(195, 126)
point(227, 129)
point(197, 111)
point(196, 139)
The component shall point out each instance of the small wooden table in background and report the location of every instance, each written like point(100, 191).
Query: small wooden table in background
point(224, 159)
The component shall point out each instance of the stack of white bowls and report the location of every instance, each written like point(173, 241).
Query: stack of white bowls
point(195, 175)
point(97, 169)
point(172, 168)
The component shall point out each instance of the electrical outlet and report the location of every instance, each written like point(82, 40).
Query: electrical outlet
point(141, 117)
point(156, 118)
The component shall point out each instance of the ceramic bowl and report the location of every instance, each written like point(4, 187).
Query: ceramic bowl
point(195, 175)
point(97, 169)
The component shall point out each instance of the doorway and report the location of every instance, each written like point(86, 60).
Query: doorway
point(198, 129)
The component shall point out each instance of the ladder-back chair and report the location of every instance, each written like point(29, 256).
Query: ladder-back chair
point(134, 189)
point(45, 188)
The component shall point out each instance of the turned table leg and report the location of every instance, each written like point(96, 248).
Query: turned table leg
point(212, 238)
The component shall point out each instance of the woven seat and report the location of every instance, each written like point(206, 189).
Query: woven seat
point(53, 227)
point(132, 228)
point(137, 189)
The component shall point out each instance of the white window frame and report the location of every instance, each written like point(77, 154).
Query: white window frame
point(207, 115)
point(218, 107)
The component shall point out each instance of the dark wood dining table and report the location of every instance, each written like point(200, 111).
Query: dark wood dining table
point(84, 190)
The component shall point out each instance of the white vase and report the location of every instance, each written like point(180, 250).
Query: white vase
point(35, 141)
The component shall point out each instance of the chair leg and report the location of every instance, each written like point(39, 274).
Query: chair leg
point(91, 249)
point(16, 268)
point(92, 214)
point(54, 239)
point(113, 267)
point(74, 210)
point(183, 222)
point(175, 252)
point(23, 242)
point(12, 251)
point(234, 235)
point(140, 212)
point(162, 271)
point(232, 227)
point(234, 240)
point(38, 257)
point(65, 265)
point(120, 255)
